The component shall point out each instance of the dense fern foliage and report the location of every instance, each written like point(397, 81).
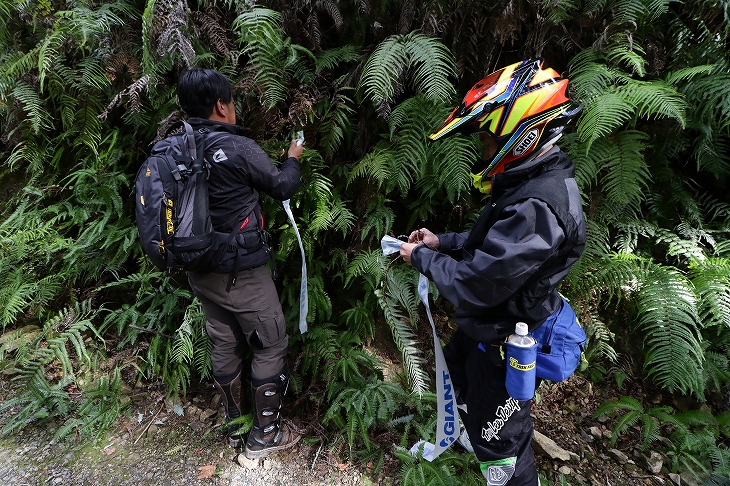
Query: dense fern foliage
point(85, 86)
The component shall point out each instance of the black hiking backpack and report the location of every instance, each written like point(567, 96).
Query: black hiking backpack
point(173, 218)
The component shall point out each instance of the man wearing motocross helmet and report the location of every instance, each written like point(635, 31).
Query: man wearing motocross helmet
point(506, 269)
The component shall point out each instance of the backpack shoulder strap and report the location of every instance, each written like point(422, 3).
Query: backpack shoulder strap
point(191, 140)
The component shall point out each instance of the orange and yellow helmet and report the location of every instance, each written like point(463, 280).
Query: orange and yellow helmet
point(523, 106)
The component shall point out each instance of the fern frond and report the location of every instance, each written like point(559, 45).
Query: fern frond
point(192, 345)
point(688, 73)
point(432, 66)
point(599, 340)
point(99, 407)
point(451, 160)
point(261, 34)
point(368, 263)
point(332, 215)
point(558, 11)
point(590, 77)
point(336, 123)
point(409, 123)
point(650, 430)
point(687, 248)
point(346, 369)
point(365, 407)
point(333, 11)
point(668, 319)
point(656, 8)
point(628, 11)
point(424, 59)
point(625, 173)
point(33, 105)
point(359, 319)
point(604, 113)
point(624, 403)
point(378, 219)
point(16, 295)
point(48, 55)
point(711, 280)
point(656, 99)
point(440, 472)
point(383, 72)
point(399, 294)
point(712, 155)
point(716, 368)
point(174, 41)
point(710, 93)
point(631, 57)
point(14, 66)
point(374, 166)
point(332, 58)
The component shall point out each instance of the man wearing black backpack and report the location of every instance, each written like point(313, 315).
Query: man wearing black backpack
point(239, 298)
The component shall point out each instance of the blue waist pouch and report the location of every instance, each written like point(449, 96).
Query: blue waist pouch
point(560, 343)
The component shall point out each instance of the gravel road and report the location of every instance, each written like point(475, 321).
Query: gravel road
point(174, 450)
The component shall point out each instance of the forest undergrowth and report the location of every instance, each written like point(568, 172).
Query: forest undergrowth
point(86, 85)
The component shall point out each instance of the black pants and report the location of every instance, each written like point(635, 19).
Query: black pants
point(249, 314)
point(499, 427)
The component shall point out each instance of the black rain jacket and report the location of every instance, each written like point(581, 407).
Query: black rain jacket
point(239, 171)
point(506, 269)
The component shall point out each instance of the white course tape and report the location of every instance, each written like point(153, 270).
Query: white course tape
point(447, 421)
point(303, 292)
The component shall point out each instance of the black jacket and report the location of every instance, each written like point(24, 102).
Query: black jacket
point(506, 268)
point(239, 171)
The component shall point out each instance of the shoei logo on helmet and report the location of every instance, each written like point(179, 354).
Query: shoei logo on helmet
point(526, 143)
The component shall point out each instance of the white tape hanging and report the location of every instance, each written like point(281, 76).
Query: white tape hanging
point(303, 292)
point(447, 420)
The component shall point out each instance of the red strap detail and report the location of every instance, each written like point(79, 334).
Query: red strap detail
point(245, 222)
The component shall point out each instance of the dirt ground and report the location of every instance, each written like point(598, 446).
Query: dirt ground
point(152, 444)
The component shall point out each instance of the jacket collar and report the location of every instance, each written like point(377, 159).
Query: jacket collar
point(552, 160)
point(216, 126)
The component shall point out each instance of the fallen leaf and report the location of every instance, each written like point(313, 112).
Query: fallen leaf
point(206, 471)
point(110, 451)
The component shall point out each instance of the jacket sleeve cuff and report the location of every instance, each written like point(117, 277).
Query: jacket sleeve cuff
point(444, 244)
point(417, 256)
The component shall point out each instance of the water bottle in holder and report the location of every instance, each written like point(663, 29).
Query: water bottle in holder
point(521, 358)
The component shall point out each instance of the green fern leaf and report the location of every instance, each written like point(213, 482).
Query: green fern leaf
point(332, 58)
point(382, 74)
point(624, 170)
point(432, 66)
point(374, 166)
point(688, 74)
point(602, 115)
point(656, 99)
point(668, 320)
point(711, 279)
point(630, 56)
point(425, 59)
point(34, 106)
point(628, 11)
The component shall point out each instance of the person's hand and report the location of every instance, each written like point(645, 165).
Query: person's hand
point(295, 150)
point(406, 249)
point(426, 237)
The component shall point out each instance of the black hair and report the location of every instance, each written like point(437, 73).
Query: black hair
point(198, 90)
